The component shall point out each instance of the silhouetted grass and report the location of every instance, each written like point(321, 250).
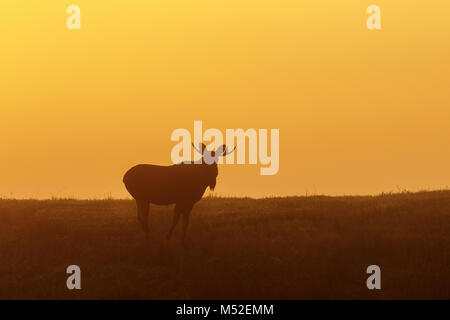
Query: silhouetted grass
point(294, 248)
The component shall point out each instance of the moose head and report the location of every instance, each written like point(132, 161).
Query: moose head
point(210, 159)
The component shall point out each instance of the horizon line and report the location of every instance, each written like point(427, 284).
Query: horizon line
point(209, 196)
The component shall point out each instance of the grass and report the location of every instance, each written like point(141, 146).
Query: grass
point(277, 248)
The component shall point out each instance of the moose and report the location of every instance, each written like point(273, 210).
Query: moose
point(181, 184)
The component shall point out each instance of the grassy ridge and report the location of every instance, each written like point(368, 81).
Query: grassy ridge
point(296, 247)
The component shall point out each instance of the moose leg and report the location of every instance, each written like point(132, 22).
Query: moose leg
point(143, 208)
point(176, 217)
point(186, 212)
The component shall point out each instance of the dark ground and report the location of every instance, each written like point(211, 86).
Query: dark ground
point(291, 248)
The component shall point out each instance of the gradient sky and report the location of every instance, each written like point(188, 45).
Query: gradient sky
point(359, 111)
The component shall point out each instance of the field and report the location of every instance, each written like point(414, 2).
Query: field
point(291, 248)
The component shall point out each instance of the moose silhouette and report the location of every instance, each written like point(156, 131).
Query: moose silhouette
point(181, 184)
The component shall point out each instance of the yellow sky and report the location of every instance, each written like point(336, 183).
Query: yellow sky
point(359, 111)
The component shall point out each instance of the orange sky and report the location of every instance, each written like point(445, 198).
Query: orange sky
point(359, 111)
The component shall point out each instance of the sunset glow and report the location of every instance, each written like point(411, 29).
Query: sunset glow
point(358, 111)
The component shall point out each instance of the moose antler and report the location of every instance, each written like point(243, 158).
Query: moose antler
point(202, 148)
point(212, 156)
point(226, 152)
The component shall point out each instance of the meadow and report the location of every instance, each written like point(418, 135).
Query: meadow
point(313, 247)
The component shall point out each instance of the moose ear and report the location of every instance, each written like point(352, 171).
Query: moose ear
point(223, 151)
